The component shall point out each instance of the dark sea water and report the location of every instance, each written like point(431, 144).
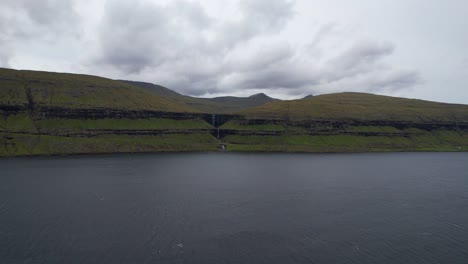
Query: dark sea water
point(235, 208)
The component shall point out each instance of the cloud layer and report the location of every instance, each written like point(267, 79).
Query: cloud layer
point(183, 45)
point(180, 45)
point(23, 21)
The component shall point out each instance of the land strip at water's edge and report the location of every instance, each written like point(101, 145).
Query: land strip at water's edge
point(55, 114)
point(75, 131)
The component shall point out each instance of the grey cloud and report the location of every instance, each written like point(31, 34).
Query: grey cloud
point(359, 67)
point(360, 56)
point(142, 36)
point(465, 63)
point(131, 35)
point(322, 33)
point(192, 13)
point(392, 81)
point(273, 13)
point(245, 58)
point(276, 79)
point(5, 48)
point(399, 80)
point(36, 18)
point(5, 55)
point(136, 35)
point(362, 68)
point(259, 16)
point(22, 21)
point(179, 45)
point(49, 12)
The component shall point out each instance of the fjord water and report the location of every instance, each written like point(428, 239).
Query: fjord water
point(235, 208)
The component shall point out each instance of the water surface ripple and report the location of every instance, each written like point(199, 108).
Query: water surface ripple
point(235, 208)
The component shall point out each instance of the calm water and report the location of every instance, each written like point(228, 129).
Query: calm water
point(235, 208)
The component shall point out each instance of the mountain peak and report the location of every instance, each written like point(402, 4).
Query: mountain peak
point(259, 95)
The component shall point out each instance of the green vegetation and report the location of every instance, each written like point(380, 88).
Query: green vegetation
point(24, 145)
point(25, 131)
point(35, 88)
point(20, 122)
point(440, 140)
point(361, 107)
point(116, 116)
point(120, 124)
point(374, 129)
point(237, 125)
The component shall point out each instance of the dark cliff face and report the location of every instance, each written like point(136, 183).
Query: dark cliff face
point(333, 125)
point(336, 127)
point(217, 120)
point(343, 135)
point(102, 113)
point(53, 130)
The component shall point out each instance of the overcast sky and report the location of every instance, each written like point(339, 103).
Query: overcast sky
point(284, 48)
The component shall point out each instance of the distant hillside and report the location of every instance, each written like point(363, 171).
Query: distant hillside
point(240, 103)
point(226, 104)
point(361, 107)
point(48, 89)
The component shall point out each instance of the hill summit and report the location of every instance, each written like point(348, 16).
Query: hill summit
point(224, 104)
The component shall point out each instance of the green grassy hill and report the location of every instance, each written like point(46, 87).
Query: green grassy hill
point(362, 107)
point(44, 113)
point(47, 89)
point(226, 104)
point(350, 122)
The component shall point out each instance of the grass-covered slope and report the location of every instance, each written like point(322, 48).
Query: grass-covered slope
point(350, 122)
point(225, 104)
point(46, 89)
point(234, 104)
point(362, 107)
point(43, 113)
point(435, 140)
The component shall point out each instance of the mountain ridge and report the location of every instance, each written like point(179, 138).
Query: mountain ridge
point(222, 104)
point(43, 113)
